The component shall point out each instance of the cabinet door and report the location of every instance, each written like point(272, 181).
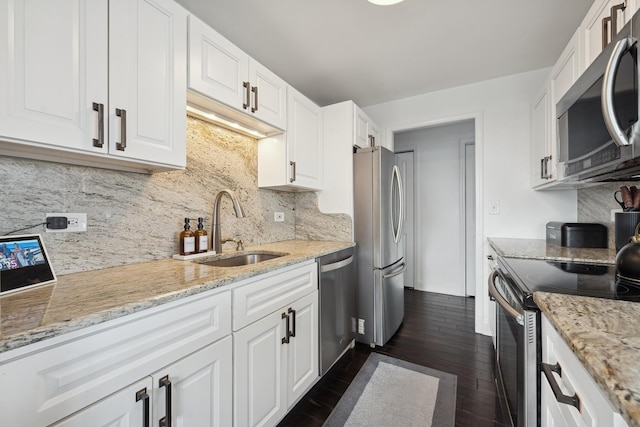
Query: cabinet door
point(362, 129)
point(540, 120)
point(592, 29)
point(304, 140)
point(147, 73)
point(200, 389)
point(53, 67)
point(124, 408)
point(268, 95)
point(303, 347)
point(260, 359)
point(217, 68)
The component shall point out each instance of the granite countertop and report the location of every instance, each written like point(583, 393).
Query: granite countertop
point(540, 249)
point(83, 299)
point(605, 336)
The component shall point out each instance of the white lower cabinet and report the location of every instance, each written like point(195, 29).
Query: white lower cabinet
point(578, 400)
point(88, 374)
point(276, 357)
point(196, 389)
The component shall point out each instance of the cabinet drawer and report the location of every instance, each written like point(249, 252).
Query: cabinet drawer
point(262, 297)
point(43, 385)
point(595, 408)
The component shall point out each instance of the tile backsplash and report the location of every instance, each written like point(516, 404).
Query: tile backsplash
point(135, 217)
point(595, 205)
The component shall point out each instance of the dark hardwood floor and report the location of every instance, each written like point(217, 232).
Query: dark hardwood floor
point(438, 332)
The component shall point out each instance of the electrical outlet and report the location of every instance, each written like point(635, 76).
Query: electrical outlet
point(76, 222)
point(278, 216)
point(361, 326)
point(494, 207)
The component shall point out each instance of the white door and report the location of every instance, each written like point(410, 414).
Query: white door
point(260, 371)
point(217, 68)
point(470, 218)
point(200, 389)
point(124, 408)
point(304, 140)
point(405, 164)
point(147, 80)
point(53, 67)
point(268, 95)
point(303, 347)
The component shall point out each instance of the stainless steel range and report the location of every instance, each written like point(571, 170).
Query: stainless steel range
point(512, 284)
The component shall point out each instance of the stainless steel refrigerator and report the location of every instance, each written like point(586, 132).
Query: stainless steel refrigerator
point(378, 220)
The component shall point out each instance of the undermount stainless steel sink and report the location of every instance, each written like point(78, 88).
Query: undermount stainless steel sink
point(240, 259)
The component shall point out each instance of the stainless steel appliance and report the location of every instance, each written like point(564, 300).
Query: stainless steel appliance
point(512, 284)
point(378, 220)
point(337, 287)
point(598, 127)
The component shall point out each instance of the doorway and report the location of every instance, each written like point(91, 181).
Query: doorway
point(444, 207)
point(405, 162)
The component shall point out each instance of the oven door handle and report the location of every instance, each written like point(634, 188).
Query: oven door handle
point(493, 291)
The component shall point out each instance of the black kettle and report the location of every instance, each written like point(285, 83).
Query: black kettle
point(628, 258)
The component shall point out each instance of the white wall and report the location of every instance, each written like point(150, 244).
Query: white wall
point(502, 110)
point(437, 205)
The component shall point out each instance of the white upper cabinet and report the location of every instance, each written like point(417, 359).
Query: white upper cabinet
point(598, 25)
point(366, 131)
point(94, 82)
point(221, 71)
point(540, 137)
point(293, 161)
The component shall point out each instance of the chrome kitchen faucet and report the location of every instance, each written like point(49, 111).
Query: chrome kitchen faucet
point(216, 241)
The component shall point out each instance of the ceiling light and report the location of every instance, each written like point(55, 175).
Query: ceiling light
point(384, 2)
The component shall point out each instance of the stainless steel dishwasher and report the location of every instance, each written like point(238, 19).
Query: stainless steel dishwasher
point(337, 287)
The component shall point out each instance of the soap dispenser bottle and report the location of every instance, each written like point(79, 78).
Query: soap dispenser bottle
point(187, 240)
point(202, 241)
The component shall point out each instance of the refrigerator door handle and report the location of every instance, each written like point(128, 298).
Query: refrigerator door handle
point(397, 228)
point(401, 270)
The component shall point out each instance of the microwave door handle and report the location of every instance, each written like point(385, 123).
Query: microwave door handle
point(608, 111)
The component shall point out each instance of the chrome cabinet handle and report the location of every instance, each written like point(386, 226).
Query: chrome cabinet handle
point(293, 175)
point(247, 95)
point(121, 146)
point(614, 17)
point(542, 174)
point(166, 420)
point(254, 89)
point(605, 34)
point(557, 392)
point(99, 142)
point(608, 111)
point(519, 318)
point(144, 396)
point(293, 316)
point(285, 340)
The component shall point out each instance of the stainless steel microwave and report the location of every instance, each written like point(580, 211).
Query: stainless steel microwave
point(597, 119)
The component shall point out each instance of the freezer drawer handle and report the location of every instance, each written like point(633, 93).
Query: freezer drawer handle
point(336, 265)
point(560, 397)
point(143, 395)
point(166, 420)
point(503, 302)
point(395, 273)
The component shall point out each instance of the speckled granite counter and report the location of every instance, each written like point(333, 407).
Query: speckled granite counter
point(83, 299)
point(605, 336)
point(539, 249)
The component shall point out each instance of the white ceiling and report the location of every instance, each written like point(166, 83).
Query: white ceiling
point(335, 50)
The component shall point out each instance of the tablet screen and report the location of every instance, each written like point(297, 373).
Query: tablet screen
point(23, 263)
